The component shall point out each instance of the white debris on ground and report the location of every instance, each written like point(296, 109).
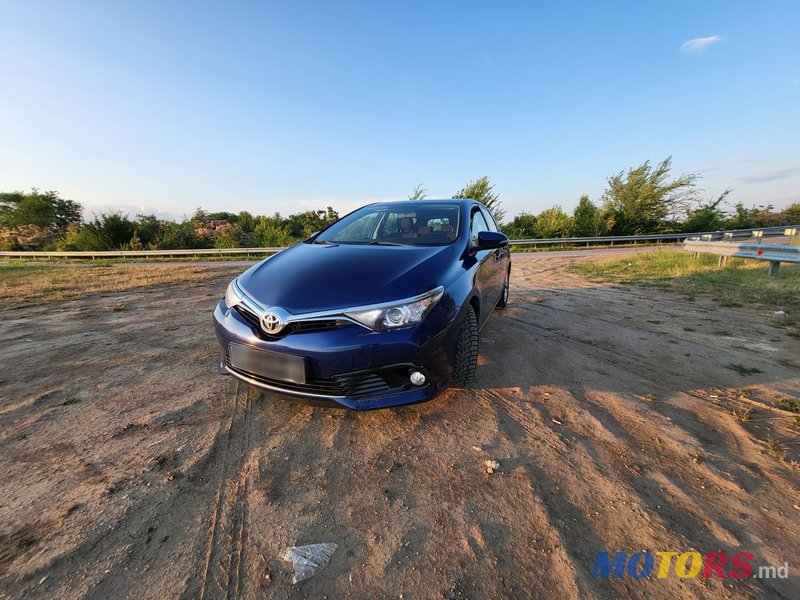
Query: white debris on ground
point(491, 466)
point(308, 560)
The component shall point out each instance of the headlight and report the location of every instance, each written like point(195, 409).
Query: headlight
point(394, 315)
point(232, 297)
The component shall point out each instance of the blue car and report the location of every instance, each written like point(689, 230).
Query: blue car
point(382, 308)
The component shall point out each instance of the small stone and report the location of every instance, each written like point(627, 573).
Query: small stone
point(491, 466)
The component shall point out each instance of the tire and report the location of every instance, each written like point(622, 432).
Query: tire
point(503, 302)
point(465, 360)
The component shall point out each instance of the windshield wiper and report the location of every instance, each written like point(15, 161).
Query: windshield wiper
point(379, 243)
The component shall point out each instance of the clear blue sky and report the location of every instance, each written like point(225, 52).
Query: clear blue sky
point(283, 106)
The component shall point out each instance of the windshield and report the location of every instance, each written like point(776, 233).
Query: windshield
point(411, 224)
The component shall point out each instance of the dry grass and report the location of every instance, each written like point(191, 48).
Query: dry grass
point(776, 448)
point(24, 285)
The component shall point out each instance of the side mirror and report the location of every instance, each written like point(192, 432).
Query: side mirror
point(489, 240)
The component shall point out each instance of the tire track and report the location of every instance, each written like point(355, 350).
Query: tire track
point(223, 573)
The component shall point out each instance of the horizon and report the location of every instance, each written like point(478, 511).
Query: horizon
point(287, 108)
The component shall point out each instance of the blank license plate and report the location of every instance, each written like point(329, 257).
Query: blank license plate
point(272, 365)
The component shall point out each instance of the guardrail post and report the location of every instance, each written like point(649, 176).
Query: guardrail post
point(773, 268)
point(758, 235)
point(723, 261)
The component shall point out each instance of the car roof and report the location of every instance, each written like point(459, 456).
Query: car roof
point(415, 203)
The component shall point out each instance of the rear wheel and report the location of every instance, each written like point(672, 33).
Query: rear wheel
point(466, 355)
point(504, 295)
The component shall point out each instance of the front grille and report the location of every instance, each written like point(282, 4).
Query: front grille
point(354, 385)
point(306, 326)
point(296, 327)
point(249, 317)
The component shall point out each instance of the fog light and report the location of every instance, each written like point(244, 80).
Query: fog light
point(417, 378)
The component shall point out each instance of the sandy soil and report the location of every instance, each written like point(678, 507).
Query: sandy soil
point(607, 407)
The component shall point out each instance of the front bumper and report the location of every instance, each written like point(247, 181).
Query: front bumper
point(348, 366)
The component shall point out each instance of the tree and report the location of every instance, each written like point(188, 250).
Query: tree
point(758, 216)
point(26, 237)
point(247, 221)
point(302, 225)
point(148, 230)
point(480, 191)
point(227, 236)
point(46, 210)
point(269, 232)
point(522, 227)
point(585, 219)
point(200, 215)
point(181, 235)
point(640, 200)
point(553, 223)
point(708, 216)
point(84, 237)
point(418, 193)
point(792, 213)
point(230, 217)
point(765, 216)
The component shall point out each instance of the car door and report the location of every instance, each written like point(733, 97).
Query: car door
point(485, 268)
point(502, 257)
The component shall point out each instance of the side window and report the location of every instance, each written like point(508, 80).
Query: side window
point(489, 220)
point(390, 226)
point(478, 224)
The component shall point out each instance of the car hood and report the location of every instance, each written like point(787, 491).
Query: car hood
point(314, 277)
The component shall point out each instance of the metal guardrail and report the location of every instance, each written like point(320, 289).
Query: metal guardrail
point(138, 253)
point(608, 239)
point(660, 237)
point(774, 253)
point(570, 241)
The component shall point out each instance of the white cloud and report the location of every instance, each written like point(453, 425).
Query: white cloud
point(131, 211)
point(699, 45)
point(769, 176)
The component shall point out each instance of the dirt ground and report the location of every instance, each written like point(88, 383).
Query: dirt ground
point(130, 469)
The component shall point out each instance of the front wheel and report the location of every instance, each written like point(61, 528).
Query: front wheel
point(503, 302)
point(465, 360)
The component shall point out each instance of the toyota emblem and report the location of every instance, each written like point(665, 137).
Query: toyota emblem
point(272, 323)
